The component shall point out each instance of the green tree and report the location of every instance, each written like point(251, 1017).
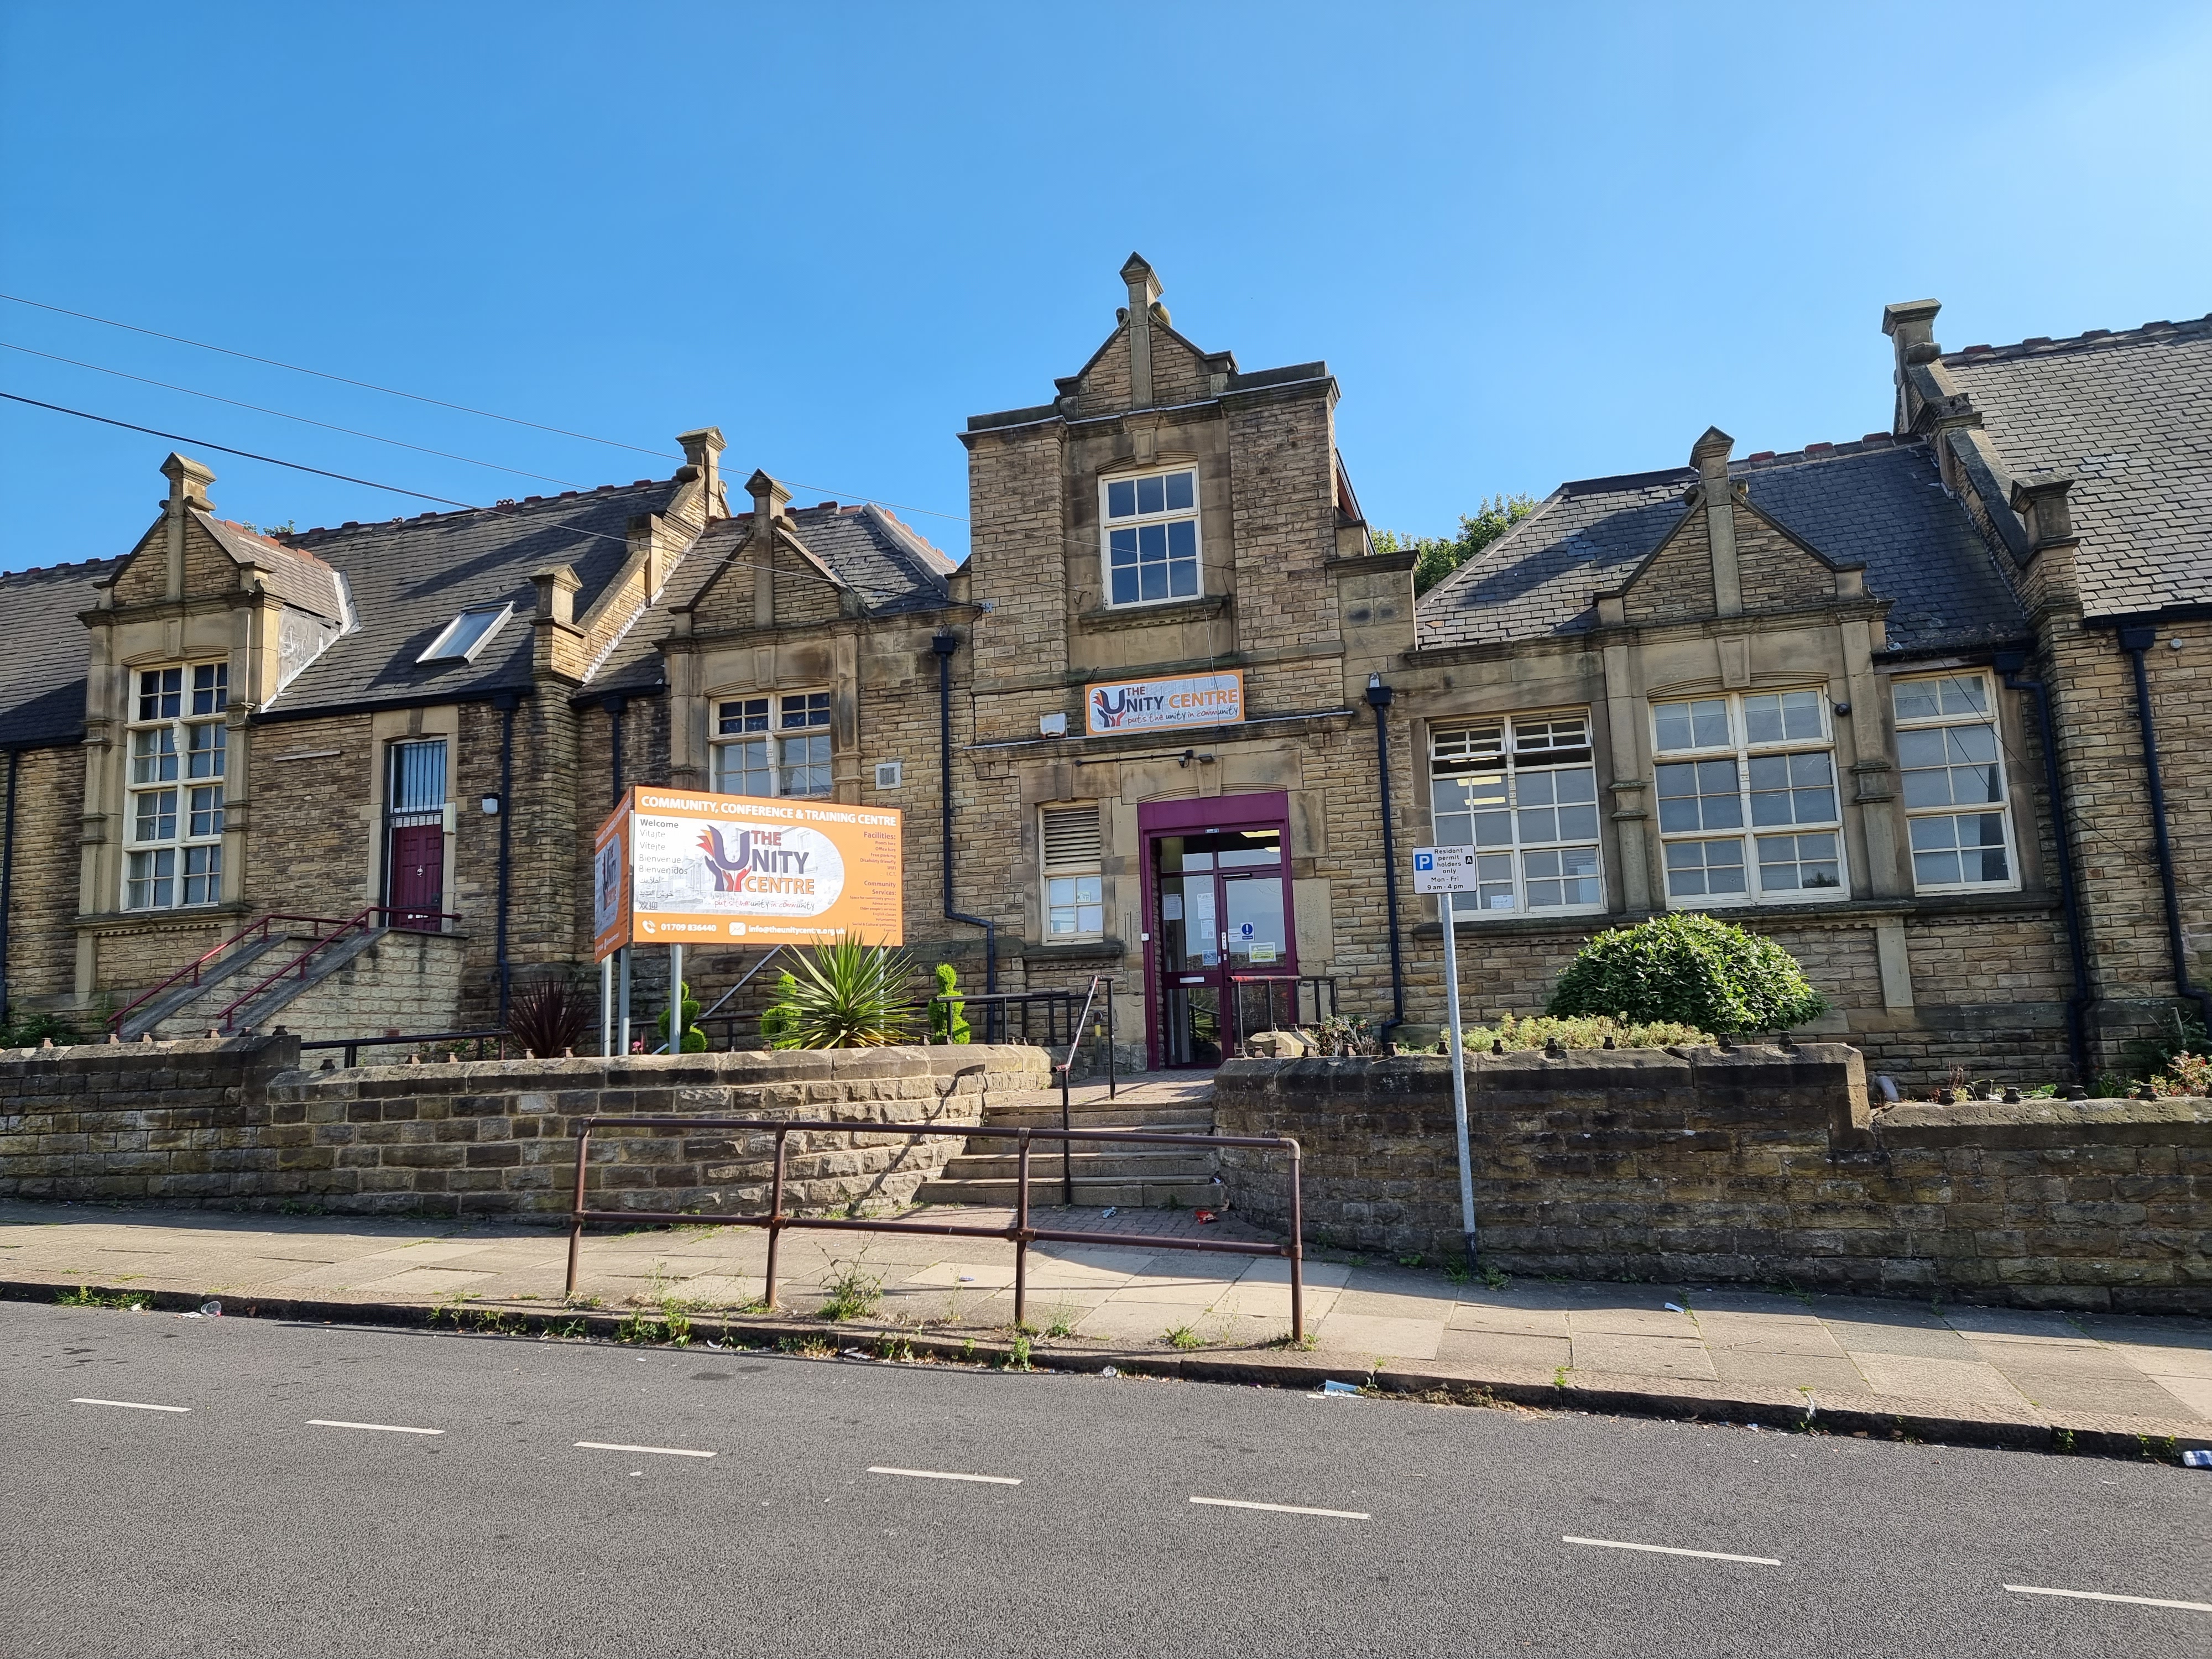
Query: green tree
point(780, 1019)
point(695, 1037)
point(1439, 555)
point(1693, 969)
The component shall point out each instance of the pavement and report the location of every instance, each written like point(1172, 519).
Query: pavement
point(2078, 1381)
point(191, 1487)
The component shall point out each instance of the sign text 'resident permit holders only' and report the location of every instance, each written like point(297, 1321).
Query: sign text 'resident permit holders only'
point(674, 867)
point(1161, 705)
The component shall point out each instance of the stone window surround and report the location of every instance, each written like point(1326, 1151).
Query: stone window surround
point(1160, 466)
point(771, 735)
point(1091, 869)
point(1741, 750)
point(2005, 757)
point(182, 726)
point(1427, 738)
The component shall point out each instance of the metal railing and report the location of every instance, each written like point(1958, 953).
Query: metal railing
point(995, 1004)
point(353, 1046)
point(191, 971)
point(1297, 985)
point(1066, 1064)
point(1019, 1233)
point(358, 922)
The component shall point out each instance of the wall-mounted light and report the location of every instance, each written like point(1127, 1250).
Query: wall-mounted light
point(491, 806)
point(1843, 708)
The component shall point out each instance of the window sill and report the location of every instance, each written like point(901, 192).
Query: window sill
point(1160, 613)
point(189, 915)
point(1089, 949)
point(1942, 907)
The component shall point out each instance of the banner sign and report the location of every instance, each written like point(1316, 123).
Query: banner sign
point(1163, 705)
point(678, 868)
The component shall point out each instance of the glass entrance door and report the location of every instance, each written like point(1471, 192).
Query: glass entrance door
point(1218, 909)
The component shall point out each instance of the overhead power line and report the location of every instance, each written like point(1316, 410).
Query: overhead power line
point(392, 391)
point(366, 386)
point(305, 419)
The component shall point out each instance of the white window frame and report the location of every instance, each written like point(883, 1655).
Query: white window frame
point(1138, 522)
point(1512, 767)
point(1991, 717)
point(437, 650)
point(800, 716)
point(184, 752)
point(1739, 751)
point(1073, 886)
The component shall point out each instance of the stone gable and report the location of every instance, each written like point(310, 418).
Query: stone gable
point(1677, 584)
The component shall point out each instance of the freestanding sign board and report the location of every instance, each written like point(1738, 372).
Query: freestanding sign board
point(1445, 870)
point(674, 867)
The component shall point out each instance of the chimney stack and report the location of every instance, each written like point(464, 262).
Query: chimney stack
point(1709, 455)
point(188, 482)
point(702, 453)
point(1911, 325)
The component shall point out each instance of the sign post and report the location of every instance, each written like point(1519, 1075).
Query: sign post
point(1445, 870)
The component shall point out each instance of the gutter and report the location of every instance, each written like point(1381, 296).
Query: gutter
point(944, 645)
point(2136, 642)
point(2012, 664)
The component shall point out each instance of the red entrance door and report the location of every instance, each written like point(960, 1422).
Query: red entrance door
point(418, 875)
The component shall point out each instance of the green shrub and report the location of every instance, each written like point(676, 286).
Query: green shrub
point(1689, 968)
point(948, 1021)
point(1580, 1031)
point(695, 1038)
point(26, 1029)
point(781, 1017)
point(847, 995)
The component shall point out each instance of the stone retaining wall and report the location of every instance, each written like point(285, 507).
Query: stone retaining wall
point(1755, 1166)
point(235, 1124)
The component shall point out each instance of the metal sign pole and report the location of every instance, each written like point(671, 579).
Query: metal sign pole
point(1445, 872)
point(607, 1004)
point(675, 1000)
point(625, 998)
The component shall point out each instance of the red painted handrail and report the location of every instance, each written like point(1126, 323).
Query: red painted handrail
point(358, 922)
point(192, 969)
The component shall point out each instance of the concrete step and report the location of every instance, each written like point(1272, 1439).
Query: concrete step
point(1188, 1119)
point(189, 1010)
point(1126, 1194)
point(1120, 1164)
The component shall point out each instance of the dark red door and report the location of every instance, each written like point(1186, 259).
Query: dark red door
point(418, 875)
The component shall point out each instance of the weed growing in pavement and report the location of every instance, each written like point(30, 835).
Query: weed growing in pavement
point(854, 1293)
point(85, 1297)
point(968, 1350)
point(812, 1347)
point(894, 1348)
point(1413, 1260)
point(1017, 1355)
point(1558, 1376)
point(678, 1321)
point(574, 1331)
point(1456, 1272)
point(2164, 1450)
point(638, 1327)
point(1495, 1279)
point(2062, 1440)
point(1060, 1319)
point(1305, 1344)
point(581, 1302)
point(1184, 1337)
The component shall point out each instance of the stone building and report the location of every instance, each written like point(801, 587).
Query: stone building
point(1174, 720)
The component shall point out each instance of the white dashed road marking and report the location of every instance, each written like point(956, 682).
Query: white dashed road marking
point(945, 1474)
point(1283, 1509)
point(379, 1428)
point(658, 1451)
point(131, 1405)
point(1662, 1549)
point(2099, 1595)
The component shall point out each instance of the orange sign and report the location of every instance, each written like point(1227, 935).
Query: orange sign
point(678, 868)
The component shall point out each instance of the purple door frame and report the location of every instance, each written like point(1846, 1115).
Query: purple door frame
point(1270, 810)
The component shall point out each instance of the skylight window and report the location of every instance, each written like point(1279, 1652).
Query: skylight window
point(467, 634)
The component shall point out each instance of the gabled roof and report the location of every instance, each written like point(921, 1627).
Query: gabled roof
point(890, 566)
point(409, 577)
point(1874, 503)
point(42, 672)
point(292, 573)
point(2129, 417)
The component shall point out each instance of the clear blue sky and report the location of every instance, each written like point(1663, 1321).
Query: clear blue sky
point(1534, 243)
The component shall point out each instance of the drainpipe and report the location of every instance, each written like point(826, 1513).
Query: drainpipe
point(944, 645)
point(505, 702)
point(2012, 666)
point(8, 873)
point(1378, 699)
point(2135, 641)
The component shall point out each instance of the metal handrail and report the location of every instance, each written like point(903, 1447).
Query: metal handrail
point(1019, 1232)
point(192, 969)
point(1067, 1066)
point(299, 963)
point(353, 1046)
point(1297, 982)
point(752, 973)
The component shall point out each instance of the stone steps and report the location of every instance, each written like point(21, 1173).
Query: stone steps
point(1143, 1175)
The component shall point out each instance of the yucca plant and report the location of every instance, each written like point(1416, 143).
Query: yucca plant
point(847, 995)
point(546, 1017)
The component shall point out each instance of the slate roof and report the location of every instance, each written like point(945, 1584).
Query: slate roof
point(2129, 416)
point(292, 573)
point(1874, 503)
point(42, 672)
point(892, 568)
point(409, 577)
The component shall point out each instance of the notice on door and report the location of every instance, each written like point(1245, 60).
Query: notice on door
point(1163, 705)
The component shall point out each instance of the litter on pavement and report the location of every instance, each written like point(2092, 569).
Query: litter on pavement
point(1675, 1307)
point(1333, 1388)
point(2198, 1459)
point(1108, 1371)
point(212, 1309)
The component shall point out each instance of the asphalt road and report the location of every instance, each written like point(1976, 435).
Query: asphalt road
point(241, 1525)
